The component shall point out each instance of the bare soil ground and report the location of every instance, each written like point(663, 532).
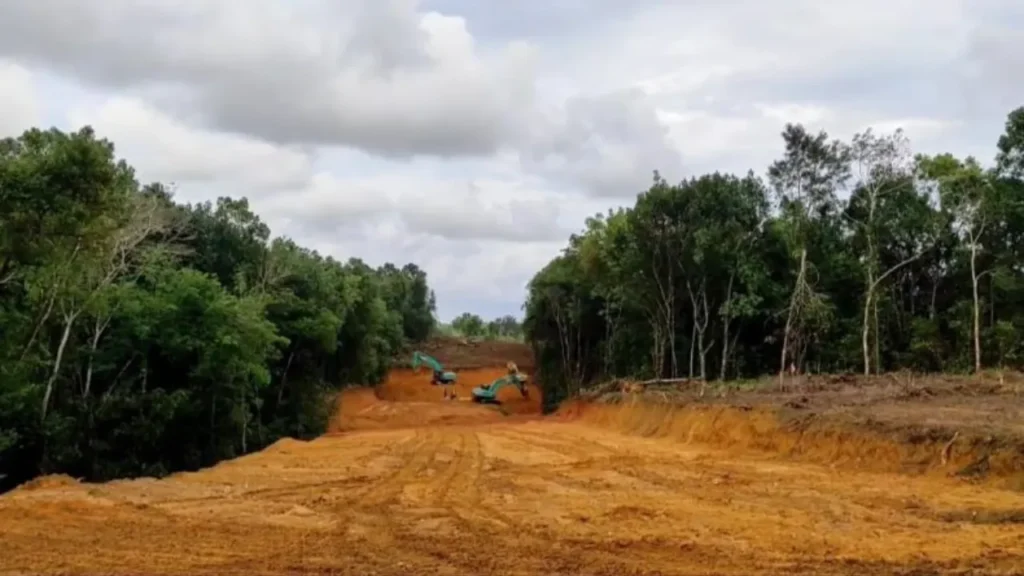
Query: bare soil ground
point(412, 484)
point(461, 353)
point(968, 427)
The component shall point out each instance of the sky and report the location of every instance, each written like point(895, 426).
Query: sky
point(472, 137)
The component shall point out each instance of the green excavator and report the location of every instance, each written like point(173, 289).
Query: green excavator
point(440, 376)
point(488, 393)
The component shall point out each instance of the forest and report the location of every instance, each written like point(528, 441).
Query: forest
point(856, 256)
point(470, 325)
point(139, 336)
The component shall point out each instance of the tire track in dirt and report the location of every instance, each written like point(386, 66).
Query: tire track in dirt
point(547, 543)
point(576, 448)
point(467, 503)
point(433, 508)
point(369, 525)
point(626, 464)
point(458, 494)
point(386, 490)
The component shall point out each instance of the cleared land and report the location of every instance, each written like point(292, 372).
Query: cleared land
point(416, 485)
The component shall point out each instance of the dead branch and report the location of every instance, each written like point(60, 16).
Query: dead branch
point(947, 450)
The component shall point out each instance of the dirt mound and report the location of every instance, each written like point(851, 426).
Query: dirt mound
point(285, 445)
point(47, 482)
point(461, 354)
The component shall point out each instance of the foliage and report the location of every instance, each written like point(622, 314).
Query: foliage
point(468, 325)
point(139, 336)
point(851, 256)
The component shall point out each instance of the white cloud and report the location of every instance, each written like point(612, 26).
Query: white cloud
point(167, 150)
point(453, 209)
point(401, 213)
point(20, 110)
point(473, 140)
point(375, 74)
point(609, 145)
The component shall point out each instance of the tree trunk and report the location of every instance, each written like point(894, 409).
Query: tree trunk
point(864, 334)
point(667, 309)
point(670, 328)
point(245, 425)
point(693, 346)
point(563, 344)
point(607, 340)
point(68, 323)
point(705, 319)
point(725, 329)
point(789, 316)
point(977, 309)
point(703, 355)
point(657, 347)
point(878, 339)
point(991, 302)
point(98, 330)
point(581, 365)
point(38, 327)
point(735, 341)
point(284, 378)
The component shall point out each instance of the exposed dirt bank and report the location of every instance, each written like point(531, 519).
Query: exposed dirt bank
point(971, 429)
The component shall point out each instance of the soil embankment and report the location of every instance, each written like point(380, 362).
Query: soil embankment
point(967, 428)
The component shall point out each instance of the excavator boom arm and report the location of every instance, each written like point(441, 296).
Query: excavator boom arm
point(489, 392)
point(419, 358)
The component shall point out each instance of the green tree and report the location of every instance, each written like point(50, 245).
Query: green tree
point(140, 336)
point(469, 325)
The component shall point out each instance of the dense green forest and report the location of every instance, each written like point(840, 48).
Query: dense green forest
point(470, 325)
point(856, 256)
point(140, 336)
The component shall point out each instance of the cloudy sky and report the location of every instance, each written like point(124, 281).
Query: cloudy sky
point(472, 136)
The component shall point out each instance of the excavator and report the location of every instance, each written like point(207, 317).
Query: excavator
point(440, 377)
point(488, 393)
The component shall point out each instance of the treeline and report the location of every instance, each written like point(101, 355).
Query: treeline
point(850, 256)
point(471, 325)
point(139, 336)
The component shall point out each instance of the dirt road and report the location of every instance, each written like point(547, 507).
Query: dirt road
point(510, 497)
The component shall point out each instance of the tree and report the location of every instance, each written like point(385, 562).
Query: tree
point(141, 336)
point(805, 180)
point(1010, 159)
point(469, 325)
point(968, 197)
point(918, 267)
point(879, 209)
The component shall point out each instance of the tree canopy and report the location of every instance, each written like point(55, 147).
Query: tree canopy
point(471, 325)
point(850, 256)
point(141, 336)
